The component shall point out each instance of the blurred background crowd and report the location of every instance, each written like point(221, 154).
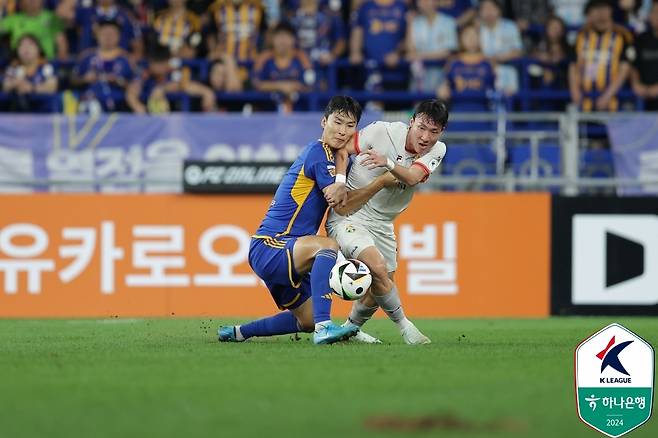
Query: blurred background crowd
point(90, 56)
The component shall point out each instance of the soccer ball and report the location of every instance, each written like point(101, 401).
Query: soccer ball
point(350, 279)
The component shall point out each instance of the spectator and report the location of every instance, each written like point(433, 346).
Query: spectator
point(164, 76)
point(469, 75)
point(29, 74)
point(601, 65)
point(224, 75)
point(431, 36)
point(378, 32)
point(320, 35)
point(44, 25)
point(283, 70)
point(105, 72)
point(627, 13)
point(554, 52)
point(644, 75)
point(501, 42)
point(235, 29)
point(178, 29)
point(8, 7)
point(87, 16)
point(463, 11)
point(530, 17)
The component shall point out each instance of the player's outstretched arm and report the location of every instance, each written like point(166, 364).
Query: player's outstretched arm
point(357, 198)
point(407, 175)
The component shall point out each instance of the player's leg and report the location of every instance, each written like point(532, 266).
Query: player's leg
point(381, 259)
point(270, 260)
point(317, 255)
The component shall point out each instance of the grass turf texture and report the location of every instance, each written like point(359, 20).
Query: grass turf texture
point(170, 378)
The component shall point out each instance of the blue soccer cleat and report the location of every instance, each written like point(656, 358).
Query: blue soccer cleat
point(330, 333)
point(227, 334)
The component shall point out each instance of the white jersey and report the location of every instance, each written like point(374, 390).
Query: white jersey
point(388, 139)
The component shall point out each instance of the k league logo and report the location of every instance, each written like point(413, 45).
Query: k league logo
point(614, 380)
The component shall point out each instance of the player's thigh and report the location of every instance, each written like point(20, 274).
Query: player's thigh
point(305, 250)
point(377, 265)
point(388, 247)
point(352, 238)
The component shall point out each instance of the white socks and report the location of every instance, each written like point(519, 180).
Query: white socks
point(361, 313)
point(390, 303)
point(238, 333)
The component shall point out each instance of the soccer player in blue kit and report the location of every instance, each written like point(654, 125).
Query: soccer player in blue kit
point(286, 252)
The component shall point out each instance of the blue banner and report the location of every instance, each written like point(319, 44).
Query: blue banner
point(110, 152)
point(634, 142)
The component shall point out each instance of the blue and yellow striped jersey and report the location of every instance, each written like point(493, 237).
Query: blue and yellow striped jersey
point(599, 57)
point(299, 205)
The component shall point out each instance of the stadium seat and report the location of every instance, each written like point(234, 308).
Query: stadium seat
point(471, 160)
point(549, 163)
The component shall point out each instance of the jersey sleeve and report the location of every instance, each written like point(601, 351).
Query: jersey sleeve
point(372, 136)
point(320, 168)
point(431, 160)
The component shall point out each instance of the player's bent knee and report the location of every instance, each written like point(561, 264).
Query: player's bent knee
point(329, 243)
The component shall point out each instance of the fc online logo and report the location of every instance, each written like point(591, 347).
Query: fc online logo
point(614, 380)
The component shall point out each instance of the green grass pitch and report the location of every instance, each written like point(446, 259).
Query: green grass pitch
point(170, 378)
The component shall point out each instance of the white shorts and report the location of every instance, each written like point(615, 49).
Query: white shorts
point(354, 236)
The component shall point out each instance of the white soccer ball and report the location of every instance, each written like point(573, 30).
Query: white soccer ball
point(350, 279)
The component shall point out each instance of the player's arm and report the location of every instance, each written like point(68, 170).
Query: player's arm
point(336, 194)
point(357, 198)
point(419, 171)
point(407, 175)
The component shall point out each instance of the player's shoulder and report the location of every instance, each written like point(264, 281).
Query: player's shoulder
point(318, 151)
point(439, 149)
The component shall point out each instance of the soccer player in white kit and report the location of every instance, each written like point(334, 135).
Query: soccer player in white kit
point(364, 228)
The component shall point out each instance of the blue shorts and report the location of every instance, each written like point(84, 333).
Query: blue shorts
point(271, 259)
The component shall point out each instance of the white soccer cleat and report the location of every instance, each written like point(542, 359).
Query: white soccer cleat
point(360, 336)
point(365, 338)
point(413, 336)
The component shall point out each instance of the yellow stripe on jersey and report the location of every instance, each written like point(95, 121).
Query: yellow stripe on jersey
point(243, 44)
point(292, 283)
point(230, 33)
point(590, 52)
point(328, 152)
point(300, 191)
point(603, 66)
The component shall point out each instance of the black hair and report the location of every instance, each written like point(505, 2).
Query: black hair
point(286, 27)
point(591, 4)
point(435, 110)
point(28, 36)
point(345, 105)
point(109, 22)
point(158, 53)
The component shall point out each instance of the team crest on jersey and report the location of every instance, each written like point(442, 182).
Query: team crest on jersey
point(349, 228)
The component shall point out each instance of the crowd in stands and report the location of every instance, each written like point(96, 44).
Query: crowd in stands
point(143, 56)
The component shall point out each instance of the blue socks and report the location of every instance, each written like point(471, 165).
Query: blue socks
point(279, 324)
point(325, 260)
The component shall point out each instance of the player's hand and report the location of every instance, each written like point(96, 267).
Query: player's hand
point(336, 195)
point(373, 159)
